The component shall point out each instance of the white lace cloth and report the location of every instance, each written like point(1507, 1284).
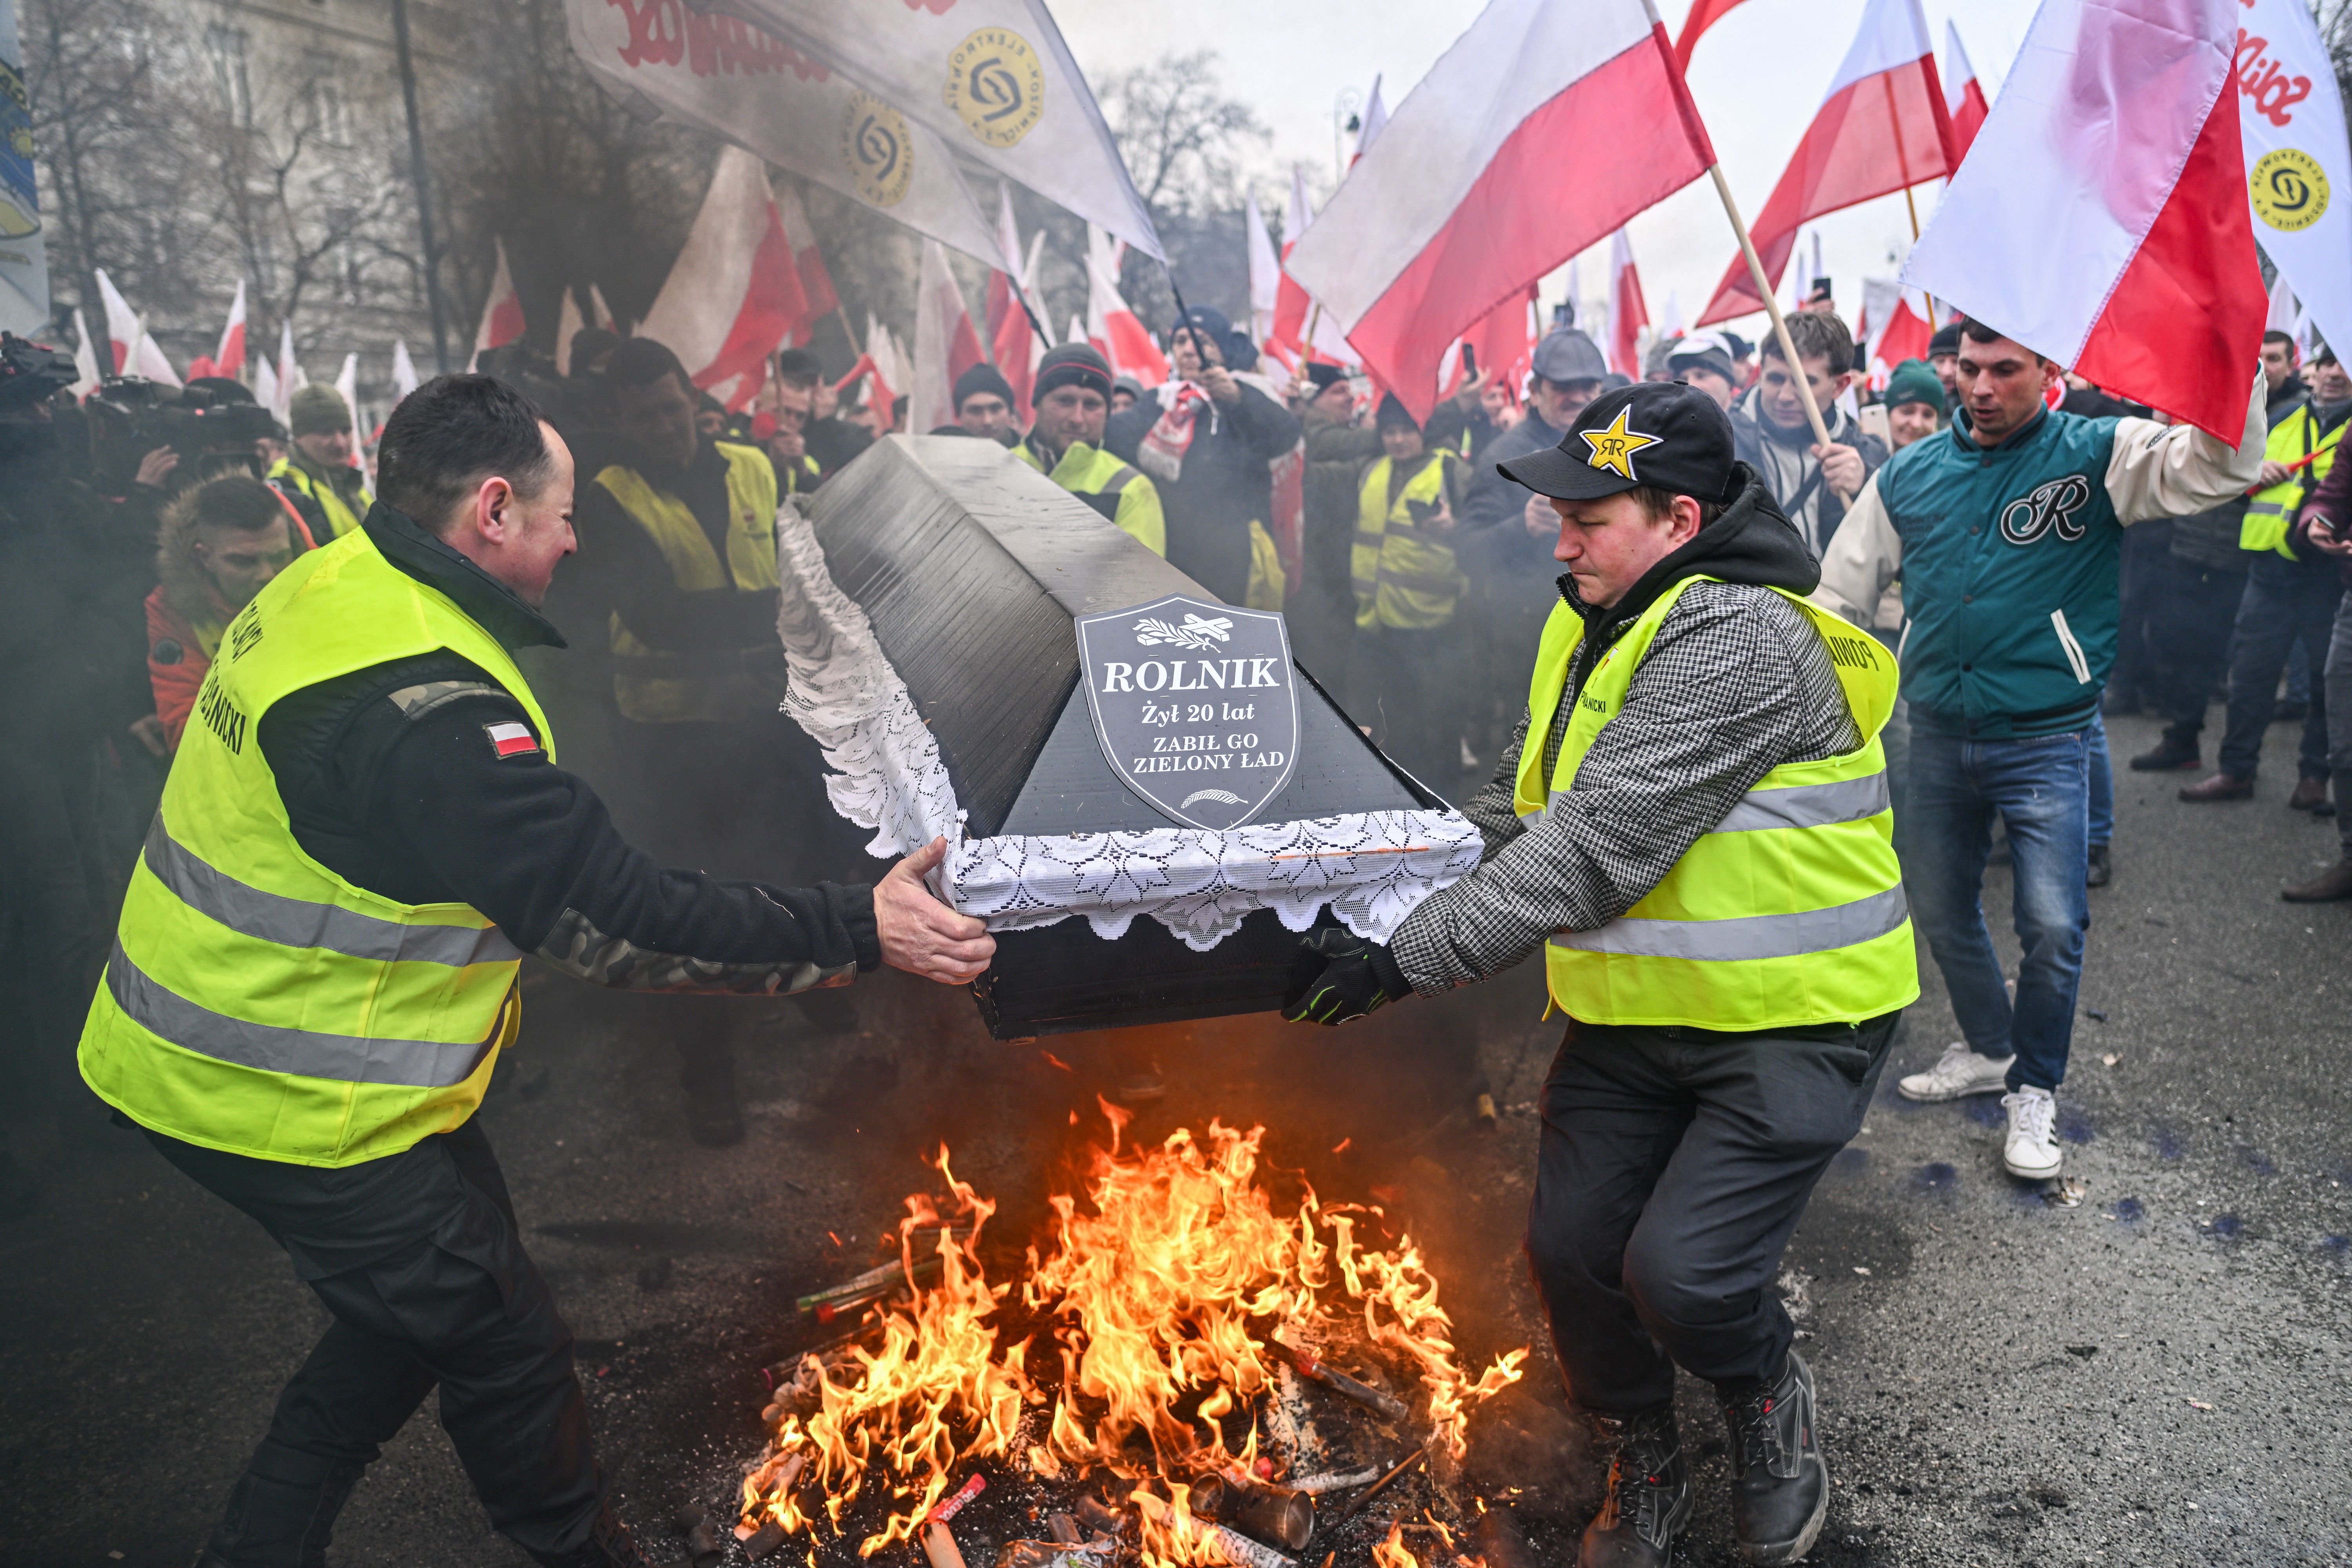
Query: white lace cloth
point(1371, 868)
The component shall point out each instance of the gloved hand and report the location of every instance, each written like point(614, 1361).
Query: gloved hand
point(1339, 977)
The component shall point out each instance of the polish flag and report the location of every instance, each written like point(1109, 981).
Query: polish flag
point(1477, 195)
point(2281, 314)
point(946, 345)
point(1628, 314)
point(1881, 129)
point(1011, 341)
point(568, 323)
point(502, 313)
point(1111, 326)
point(1506, 340)
point(229, 360)
point(290, 378)
point(404, 369)
point(1964, 99)
point(733, 294)
point(1264, 273)
point(122, 324)
point(1371, 122)
point(86, 372)
point(1290, 303)
point(1704, 14)
point(1893, 329)
point(2115, 145)
point(816, 283)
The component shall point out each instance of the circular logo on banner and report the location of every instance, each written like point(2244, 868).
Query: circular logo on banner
point(2289, 189)
point(874, 145)
point(996, 85)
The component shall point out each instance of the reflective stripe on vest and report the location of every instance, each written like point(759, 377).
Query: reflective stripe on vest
point(268, 1048)
point(1085, 470)
point(255, 1001)
point(2271, 511)
point(1403, 578)
point(341, 519)
point(1789, 911)
point(659, 687)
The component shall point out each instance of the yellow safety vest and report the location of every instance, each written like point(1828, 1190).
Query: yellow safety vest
point(2271, 511)
point(1790, 912)
point(1087, 471)
point(658, 688)
point(1404, 578)
point(341, 519)
point(255, 1001)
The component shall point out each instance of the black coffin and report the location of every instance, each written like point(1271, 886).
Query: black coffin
point(971, 567)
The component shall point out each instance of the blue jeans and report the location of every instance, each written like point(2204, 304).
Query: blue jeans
point(2102, 782)
point(2041, 789)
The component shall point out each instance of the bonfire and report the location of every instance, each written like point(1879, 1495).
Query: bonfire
point(1165, 1385)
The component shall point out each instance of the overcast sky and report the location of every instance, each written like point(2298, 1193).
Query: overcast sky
point(1758, 75)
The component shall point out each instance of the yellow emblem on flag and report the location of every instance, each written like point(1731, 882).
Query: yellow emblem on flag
point(877, 149)
point(1613, 448)
point(2289, 189)
point(996, 85)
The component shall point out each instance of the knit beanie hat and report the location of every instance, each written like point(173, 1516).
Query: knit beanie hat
point(1914, 381)
point(1073, 365)
point(981, 377)
point(319, 410)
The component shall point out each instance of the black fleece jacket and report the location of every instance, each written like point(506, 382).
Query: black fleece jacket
point(393, 779)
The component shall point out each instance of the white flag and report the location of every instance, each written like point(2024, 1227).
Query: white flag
point(993, 77)
point(1264, 273)
point(121, 326)
point(404, 369)
point(151, 364)
point(567, 324)
point(2291, 122)
point(347, 383)
point(725, 78)
point(86, 372)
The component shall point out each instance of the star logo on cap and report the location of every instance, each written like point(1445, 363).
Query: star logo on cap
point(1613, 448)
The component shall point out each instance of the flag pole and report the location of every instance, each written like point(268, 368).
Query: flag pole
point(1914, 207)
point(848, 332)
point(1772, 305)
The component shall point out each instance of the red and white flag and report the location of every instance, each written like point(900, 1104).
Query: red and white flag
point(1474, 192)
point(1011, 341)
point(1371, 122)
point(946, 345)
point(230, 360)
point(1264, 273)
point(502, 313)
point(1294, 312)
point(85, 371)
point(1893, 328)
point(568, 323)
point(808, 261)
point(1704, 14)
point(1964, 98)
point(2114, 145)
point(733, 294)
point(1882, 128)
point(1506, 340)
point(1628, 313)
point(1111, 326)
point(122, 328)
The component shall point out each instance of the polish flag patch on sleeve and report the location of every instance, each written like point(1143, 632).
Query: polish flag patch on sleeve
point(511, 739)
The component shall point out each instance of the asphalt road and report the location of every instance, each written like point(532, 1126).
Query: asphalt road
point(2158, 1376)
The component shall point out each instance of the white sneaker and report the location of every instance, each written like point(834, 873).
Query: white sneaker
point(2031, 1150)
point(1959, 1072)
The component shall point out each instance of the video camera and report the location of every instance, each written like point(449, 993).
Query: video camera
point(31, 373)
point(212, 432)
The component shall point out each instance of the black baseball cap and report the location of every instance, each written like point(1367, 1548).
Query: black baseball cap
point(1664, 434)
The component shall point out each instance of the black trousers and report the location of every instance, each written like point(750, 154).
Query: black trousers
point(1408, 686)
point(418, 1256)
point(2189, 642)
point(1673, 1164)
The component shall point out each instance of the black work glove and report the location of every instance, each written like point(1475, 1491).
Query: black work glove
point(1339, 977)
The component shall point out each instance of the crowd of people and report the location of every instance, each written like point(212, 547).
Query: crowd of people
point(139, 522)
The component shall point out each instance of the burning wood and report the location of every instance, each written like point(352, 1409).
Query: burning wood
point(1167, 1310)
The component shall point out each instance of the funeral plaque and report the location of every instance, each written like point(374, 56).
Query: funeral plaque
point(1195, 704)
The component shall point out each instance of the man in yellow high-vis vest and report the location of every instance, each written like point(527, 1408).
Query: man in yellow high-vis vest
point(677, 579)
point(319, 468)
point(1693, 828)
point(317, 968)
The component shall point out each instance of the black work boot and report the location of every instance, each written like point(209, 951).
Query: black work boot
point(1649, 1498)
point(281, 1512)
point(1780, 1485)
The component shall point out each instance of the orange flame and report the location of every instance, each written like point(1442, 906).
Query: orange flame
point(1166, 1289)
